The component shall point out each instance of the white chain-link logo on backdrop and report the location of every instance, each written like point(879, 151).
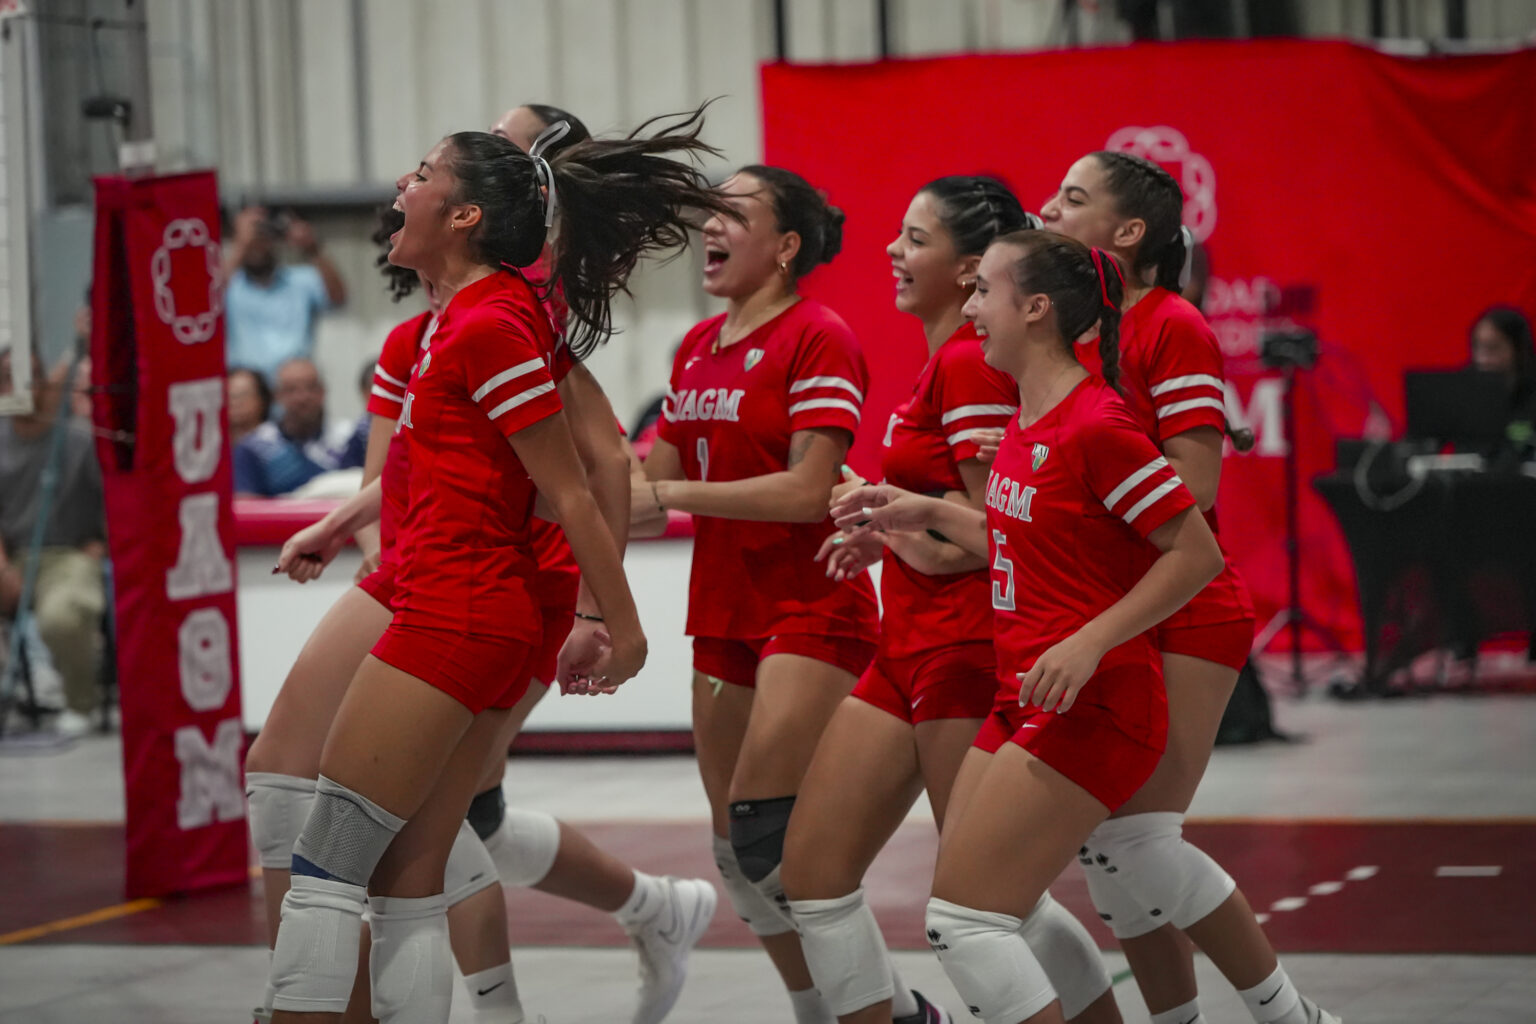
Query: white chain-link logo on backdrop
point(1168, 147)
point(190, 329)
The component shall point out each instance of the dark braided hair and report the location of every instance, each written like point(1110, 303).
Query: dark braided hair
point(1067, 271)
point(800, 208)
point(975, 209)
point(1145, 191)
point(618, 200)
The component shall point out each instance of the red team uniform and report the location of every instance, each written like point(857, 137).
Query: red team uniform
point(466, 616)
point(1172, 376)
point(1070, 502)
point(936, 658)
point(754, 589)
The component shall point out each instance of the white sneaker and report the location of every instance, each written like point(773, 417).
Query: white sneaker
point(665, 941)
point(1317, 1015)
point(72, 724)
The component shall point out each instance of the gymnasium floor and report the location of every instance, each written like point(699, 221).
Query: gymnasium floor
point(1392, 850)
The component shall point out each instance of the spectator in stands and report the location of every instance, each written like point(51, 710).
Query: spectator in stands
point(70, 595)
point(286, 453)
point(250, 403)
point(270, 307)
point(1500, 342)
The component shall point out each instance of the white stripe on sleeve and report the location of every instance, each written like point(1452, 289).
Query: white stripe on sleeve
point(378, 369)
point(1189, 380)
point(825, 403)
point(807, 383)
point(1134, 479)
point(504, 376)
point(1151, 499)
point(520, 399)
point(386, 393)
point(1193, 403)
point(960, 412)
point(964, 435)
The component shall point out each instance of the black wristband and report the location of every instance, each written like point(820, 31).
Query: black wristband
point(589, 618)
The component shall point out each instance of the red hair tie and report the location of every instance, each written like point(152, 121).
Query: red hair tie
point(1100, 257)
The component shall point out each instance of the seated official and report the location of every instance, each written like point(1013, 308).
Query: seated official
point(284, 454)
point(1500, 342)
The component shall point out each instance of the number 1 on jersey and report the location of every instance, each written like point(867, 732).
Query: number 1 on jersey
point(703, 453)
point(1002, 592)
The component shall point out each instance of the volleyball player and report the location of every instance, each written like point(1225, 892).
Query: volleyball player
point(762, 406)
point(484, 427)
point(1146, 880)
point(917, 708)
point(1092, 542)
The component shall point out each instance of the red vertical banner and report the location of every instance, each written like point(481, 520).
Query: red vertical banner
point(157, 349)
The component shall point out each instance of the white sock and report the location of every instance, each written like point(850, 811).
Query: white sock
point(1275, 1000)
point(493, 994)
point(903, 1002)
point(810, 1008)
point(647, 899)
point(1189, 1013)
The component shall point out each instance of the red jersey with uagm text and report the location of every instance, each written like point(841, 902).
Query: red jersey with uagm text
point(1173, 382)
point(730, 413)
point(391, 377)
point(1070, 502)
point(929, 435)
point(464, 551)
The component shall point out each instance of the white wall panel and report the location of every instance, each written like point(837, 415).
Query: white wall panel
point(448, 44)
point(729, 40)
point(397, 137)
point(280, 116)
point(657, 59)
point(589, 61)
point(327, 95)
point(234, 80)
point(522, 69)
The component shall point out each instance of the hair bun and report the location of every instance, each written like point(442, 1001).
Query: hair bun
point(831, 233)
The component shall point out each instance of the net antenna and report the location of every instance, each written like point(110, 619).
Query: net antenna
point(18, 51)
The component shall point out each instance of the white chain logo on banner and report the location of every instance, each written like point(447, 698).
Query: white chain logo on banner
point(1168, 147)
point(180, 234)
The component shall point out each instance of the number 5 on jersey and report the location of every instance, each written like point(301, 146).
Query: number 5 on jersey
point(1002, 588)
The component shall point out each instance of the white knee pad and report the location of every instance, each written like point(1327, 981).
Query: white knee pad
point(845, 951)
point(470, 868)
point(1126, 918)
point(409, 963)
point(988, 962)
point(315, 960)
point(524, 848)
point(1068, 954)
point(772, 891)
point(277, 807)
point(757, 910)
point(1147, 855)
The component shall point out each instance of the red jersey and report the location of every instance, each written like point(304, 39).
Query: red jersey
point(1173, 380)
point(1070, 502)
point(929, 435)
point(464, 549)
point(730, 413)
point(391, 377)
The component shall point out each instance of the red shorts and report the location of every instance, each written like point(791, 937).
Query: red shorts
point(1225, 643)
point(476, 670)
point(736, 661)
point(1094, 745)
point(557, 626)
point(380, 584)
point(951, 682)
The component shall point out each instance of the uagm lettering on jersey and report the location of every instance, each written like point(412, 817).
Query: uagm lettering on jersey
point(1009, 497)
point(709, 404)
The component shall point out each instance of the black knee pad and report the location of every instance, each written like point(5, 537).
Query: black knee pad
point(757, 834)
point(487, 811)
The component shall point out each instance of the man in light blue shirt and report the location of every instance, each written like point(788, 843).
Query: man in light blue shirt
point(270, 308)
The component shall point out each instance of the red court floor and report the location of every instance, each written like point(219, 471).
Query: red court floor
point(1345, 887)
